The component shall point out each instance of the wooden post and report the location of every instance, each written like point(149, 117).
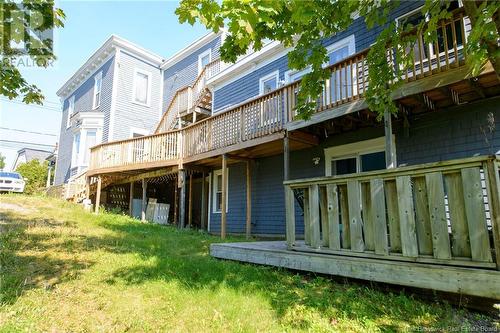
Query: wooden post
point(87, 187)
point(48, 177)
point(390, 158)
point(224, 198)
point(493, 186)
point(249, 200)
point(182, 198)
point(98, 194)
point(143, 207)
point(203, 202)
point(286, 157)
point(190, 201)
point(131, 199)
point(175, 202)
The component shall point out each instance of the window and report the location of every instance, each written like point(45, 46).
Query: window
point(269, 83)
point(142, 87)
point(71, 110)
point(362, 156)
point(342, 81)
point(204, 59)
point(97, 90)
point(76, 150)
point(90, 141)
point(217, 191)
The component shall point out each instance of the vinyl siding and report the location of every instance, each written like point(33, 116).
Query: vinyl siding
point(448, 134)
point(127, 113)
point(248, 86)
point(83, 103)
point(185, 71)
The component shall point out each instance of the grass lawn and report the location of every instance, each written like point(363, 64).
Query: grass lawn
point(63, 269)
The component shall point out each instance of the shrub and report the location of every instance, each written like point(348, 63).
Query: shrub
point(36, 174)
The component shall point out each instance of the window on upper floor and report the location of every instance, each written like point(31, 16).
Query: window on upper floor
point(217, 191)
point(204, 59)
point(142, 87)
point(90, 141)
point(97, 90)
point(268, 83)
point(76, 150)
point(71, 110)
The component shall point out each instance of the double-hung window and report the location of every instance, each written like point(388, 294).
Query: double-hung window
point(204, 59)
point(142, 87)
point(71, 110)
point(97, 90)
point(90, 141)
point(217, 191)
point(270, 107)
point(76, 150)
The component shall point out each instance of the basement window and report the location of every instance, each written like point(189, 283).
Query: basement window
point(217, 191)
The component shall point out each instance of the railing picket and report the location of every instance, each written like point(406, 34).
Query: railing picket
point(393, 216)
point(307, 218)
point(333, 216)
point(314, 216)
point(460, 232)
point(290, 216)
point(476, 216)
point(435, 194)
point(368, 222)
point(344, 211)
point(356, 223)
point(378, 216)
point(323, 206)
point(422, 216)
point(406, 217)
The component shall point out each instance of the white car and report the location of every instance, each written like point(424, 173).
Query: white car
point(11, 182)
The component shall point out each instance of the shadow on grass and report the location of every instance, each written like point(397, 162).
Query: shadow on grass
point(183, 257)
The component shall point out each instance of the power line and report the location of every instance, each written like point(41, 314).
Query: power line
point(31, 132)
point(26, 143)
point(48, 108)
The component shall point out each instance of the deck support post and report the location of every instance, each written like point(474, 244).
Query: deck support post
point(289, 197)
point(87, 187)
point(98, 194)
point(390, 155)
point(203, 202)
point(175, 202)
point(249, 201)
point(143, 206)
point(190, 201)
point(49, 172)
point(224, 198)
point(131, 199)
point(182, 198)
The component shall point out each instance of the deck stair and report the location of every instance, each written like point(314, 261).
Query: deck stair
point(191, 103)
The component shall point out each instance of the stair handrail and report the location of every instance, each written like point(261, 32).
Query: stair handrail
point(196, 88)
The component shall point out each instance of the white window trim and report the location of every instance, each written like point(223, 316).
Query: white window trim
point(148, 97)
point(201, 56)
point(214, 189)
point(84, 146)
point(138, 130)
point(71, 110)
point(355, 149)
point(97, 103)
point(275, 74)
point(349, 41)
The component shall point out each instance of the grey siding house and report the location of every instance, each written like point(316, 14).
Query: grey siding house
point(115, 95)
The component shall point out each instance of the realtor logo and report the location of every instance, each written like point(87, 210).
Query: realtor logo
point(27, 33)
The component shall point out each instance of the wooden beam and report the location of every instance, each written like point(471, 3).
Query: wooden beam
point(98, 194)
point(238, 158)
point(249, 201)
point(224, 198)
point(131, 199)
point(390, 155)
point(182, 198)
point(304, 137)
point(87, 187)
point(147, 175)
point(143, 206)
point(175, 203)
point(190, 201)
point(476, 86)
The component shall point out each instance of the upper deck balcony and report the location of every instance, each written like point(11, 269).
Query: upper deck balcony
point(438, 76)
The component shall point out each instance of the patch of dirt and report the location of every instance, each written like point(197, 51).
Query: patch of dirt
point(14, 207)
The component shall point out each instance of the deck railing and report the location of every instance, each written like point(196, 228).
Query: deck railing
point(186, 98)
point(446, 213)
point(263, 115)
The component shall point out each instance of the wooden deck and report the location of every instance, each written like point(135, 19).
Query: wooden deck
point(267, 118)
point(462, 280)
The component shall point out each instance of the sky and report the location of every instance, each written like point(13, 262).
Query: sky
point(150, 24)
